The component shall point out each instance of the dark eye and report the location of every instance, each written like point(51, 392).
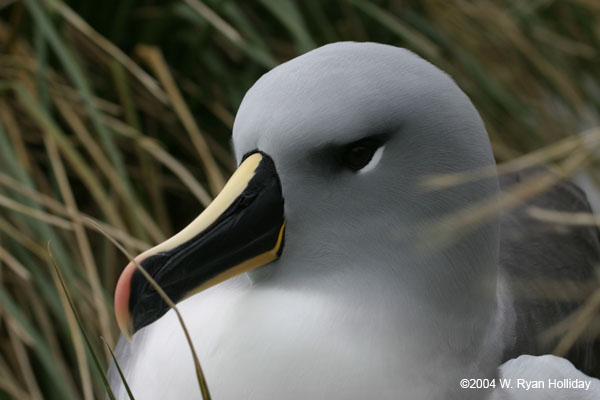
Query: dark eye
point(356, 156)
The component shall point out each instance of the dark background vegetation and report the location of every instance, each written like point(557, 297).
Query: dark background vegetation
point(121, 110)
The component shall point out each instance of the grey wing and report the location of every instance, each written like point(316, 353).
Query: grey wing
point(550, 270)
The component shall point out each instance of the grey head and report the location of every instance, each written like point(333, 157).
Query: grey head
point(307, 112)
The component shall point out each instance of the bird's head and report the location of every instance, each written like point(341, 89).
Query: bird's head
point(332, 149)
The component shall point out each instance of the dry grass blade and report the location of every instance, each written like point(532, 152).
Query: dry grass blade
point(17, 329)
point(48, 325)
point(66, 92)
point(579, 323)
point(32, 212)
point(88, 177)
point(563, 217)
point(49, 360)
point(558, 330)
point(414, 38)
point(71, 306)
point(199, 373)
point(24, 364)
point(23, 239)
point(215, 20)
point(155, 150)
point(83, 27)
point(8, 385)
point(178, 169)
point(78, 126)
point(7, 116)
point(447, 229)
point(59, 208)
point(48, 35)
point(84, 372)
point(14, 265)
point(149, 169)
point(589, 140)
point(545, 289)
point(83, 243)
point(154, 58)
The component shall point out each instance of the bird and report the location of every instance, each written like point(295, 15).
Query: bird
point(316, 274)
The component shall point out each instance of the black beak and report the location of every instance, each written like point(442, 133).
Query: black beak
point(240, 230)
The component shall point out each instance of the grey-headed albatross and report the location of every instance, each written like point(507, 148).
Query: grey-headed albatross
point(310, 276)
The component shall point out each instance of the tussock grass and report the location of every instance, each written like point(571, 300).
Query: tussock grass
point(122, 110)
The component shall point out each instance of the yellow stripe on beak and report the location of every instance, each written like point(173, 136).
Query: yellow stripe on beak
point(240, 230)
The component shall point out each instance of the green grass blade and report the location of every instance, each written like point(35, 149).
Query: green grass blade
point(81, 328)
point(413, 38)
point(291, 18)
point(41, 350)
point(112, 354)
point(72, 68)
point(202, 384)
